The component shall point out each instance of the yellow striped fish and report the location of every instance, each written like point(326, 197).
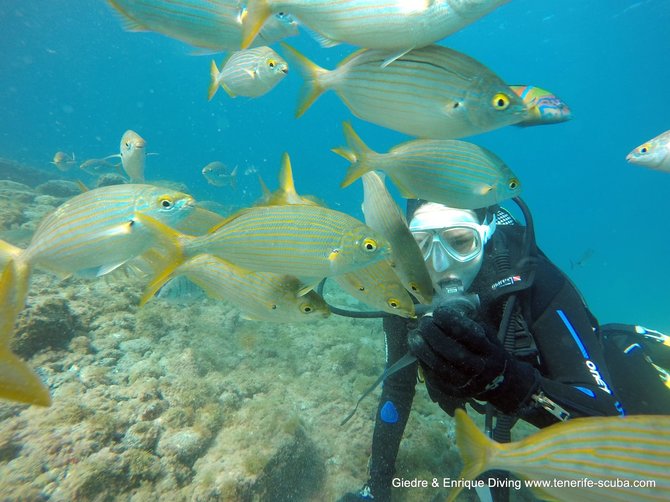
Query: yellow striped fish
point(98, 230)
point(451, 172)
point(261, 296)
point(613, 453)
point(431, 92)
point(542, 106)
point(209, 24)
point(376, 24)
point(300, 240)
point(383, 215)
point(378, 286)
point(251, 73)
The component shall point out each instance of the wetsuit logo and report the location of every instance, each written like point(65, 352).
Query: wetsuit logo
point(593, 369)
point(507, 281)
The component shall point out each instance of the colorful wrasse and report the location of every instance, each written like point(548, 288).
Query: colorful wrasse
point(389, 25)
point(379, 287)
point(63, 161)
point(431, 92)
point(251, 73)
point(543, 106)
point(261, 296)
point(216, 173)
point(451, 172)
point(382, 214)
point(209, 24)
point(612, 452)
point(654, 154)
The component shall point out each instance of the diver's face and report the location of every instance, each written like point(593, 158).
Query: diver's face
point(451, 242)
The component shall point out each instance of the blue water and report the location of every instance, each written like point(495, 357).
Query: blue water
point(72, 79)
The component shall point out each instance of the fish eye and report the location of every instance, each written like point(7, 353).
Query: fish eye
point(513, 184)
point(393, 303)
point(500, 101)
point(306, 308)
point(413, 286)
point(166, 202)
point(370, 245)
point(644, 148)
point(272, 63)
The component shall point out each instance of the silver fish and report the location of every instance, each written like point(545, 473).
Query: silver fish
point(208, 24)
point(451, 172)
point(250, 73)
point(216, 173)
point(376, 24)
point(654, 154)
point(431, 92)
point(382, 214)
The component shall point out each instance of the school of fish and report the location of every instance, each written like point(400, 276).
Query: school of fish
point(268, 259)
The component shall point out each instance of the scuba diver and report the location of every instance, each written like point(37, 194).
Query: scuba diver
point(510, 335)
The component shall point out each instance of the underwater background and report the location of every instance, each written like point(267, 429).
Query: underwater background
point(72, 79)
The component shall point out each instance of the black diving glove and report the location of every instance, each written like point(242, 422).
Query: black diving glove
point(460, 360)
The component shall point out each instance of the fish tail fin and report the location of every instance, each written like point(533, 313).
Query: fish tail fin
point(213, 80)
point(18, 381)
point(357, 153)
point(258, 11)
point(313, 86)
point(286, 184)
point(475, 448)
point(163, 258)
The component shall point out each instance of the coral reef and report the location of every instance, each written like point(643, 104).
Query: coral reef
point(191, 402)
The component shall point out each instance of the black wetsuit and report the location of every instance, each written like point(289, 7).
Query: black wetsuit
point(556, 333)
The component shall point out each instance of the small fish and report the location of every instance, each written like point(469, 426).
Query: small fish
point(251, 73)
point(612, 453)
point(451, 172)
point(63, 161)
point(208, 24)
point(383, 215)
point(378, 24)
point(97, 230)
point(98, 166)
point(261, 296)
point(216, 173)
point(654, 154)
point(431, 92)
point(583, 259)
point(379, 287)
point(543, 106)
point(133, 155)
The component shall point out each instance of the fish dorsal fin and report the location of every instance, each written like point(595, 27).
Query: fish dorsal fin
point(286, 184)
point(82, 186)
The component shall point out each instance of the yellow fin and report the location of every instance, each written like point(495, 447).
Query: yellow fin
point(82, 186)
point(357, 153)
point(475, 449)
point(213, 80)
point(312, 88)
point(258, 11)
point(166, 256)
point(18, 381)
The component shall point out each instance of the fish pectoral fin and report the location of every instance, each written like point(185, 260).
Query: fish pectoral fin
point(393, 56)
point(308, 287)
point(106, 269)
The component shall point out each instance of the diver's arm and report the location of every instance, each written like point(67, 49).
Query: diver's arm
point(572, 369)
point(394, 407)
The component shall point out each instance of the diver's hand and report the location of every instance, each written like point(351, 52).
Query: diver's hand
point(460, 360)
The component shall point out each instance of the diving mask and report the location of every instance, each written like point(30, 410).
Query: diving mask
point(451, 241)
